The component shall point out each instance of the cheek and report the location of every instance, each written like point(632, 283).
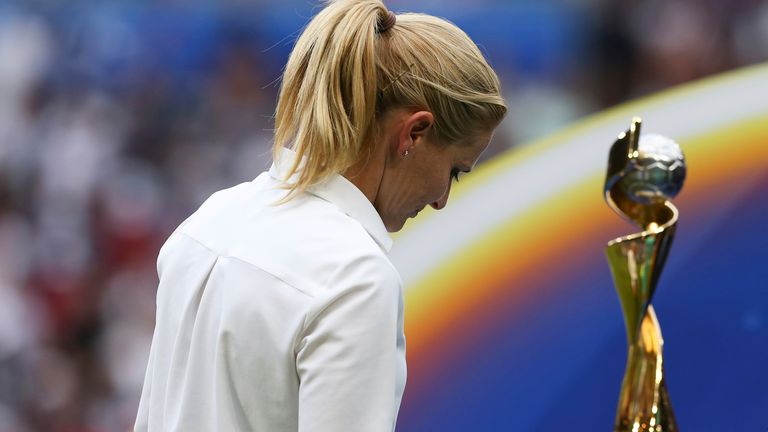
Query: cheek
point(425, 184)
point(432, 186)
point(439, 186)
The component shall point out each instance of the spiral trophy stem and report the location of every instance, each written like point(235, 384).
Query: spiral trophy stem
point(639, 180)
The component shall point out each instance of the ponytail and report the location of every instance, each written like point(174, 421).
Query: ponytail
point(327, 104)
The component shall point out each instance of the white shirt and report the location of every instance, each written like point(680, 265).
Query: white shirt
point(277, 317)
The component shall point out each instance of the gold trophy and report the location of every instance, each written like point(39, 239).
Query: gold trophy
point(643, 175)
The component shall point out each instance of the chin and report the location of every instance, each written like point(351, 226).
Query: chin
point(395, 226)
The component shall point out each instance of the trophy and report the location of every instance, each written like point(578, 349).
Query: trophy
point(643, 174)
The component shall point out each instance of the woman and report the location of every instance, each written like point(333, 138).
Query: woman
point(278, 309)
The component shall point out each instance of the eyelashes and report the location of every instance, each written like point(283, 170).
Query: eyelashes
point(455, 174)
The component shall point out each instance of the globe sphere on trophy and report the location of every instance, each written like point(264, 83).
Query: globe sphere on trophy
point(658, 172)
point(644, 173)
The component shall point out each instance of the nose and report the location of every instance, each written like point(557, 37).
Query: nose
point(439, 204)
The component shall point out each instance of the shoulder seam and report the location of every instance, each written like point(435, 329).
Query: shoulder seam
point(274, 274)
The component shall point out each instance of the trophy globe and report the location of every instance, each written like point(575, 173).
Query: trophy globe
point(657, 173)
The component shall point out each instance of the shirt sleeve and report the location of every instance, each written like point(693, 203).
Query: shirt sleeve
point(346, 357)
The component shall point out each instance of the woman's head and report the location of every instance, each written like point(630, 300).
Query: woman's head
point(346, 77)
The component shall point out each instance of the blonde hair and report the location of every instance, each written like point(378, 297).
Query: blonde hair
point(343, 74)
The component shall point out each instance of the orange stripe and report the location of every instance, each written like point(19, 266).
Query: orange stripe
point(576, 222)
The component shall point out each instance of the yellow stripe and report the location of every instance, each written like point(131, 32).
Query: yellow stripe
point(624, 111)
point(706, 154)
point(519, 155)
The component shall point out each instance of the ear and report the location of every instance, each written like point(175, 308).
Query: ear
point(413, 130)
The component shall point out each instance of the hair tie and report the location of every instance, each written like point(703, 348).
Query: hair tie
point(388, 22)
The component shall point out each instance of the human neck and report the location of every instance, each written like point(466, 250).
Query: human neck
point(367, 172)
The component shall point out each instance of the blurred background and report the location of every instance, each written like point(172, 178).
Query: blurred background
point(118, 119)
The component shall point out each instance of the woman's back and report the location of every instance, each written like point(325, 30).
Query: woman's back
point(261, 305)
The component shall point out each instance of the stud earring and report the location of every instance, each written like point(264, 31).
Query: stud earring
point(405, 153)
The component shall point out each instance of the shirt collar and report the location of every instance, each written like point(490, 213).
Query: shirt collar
point(342, 193)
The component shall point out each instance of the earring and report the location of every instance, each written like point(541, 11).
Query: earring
point(405, 153)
